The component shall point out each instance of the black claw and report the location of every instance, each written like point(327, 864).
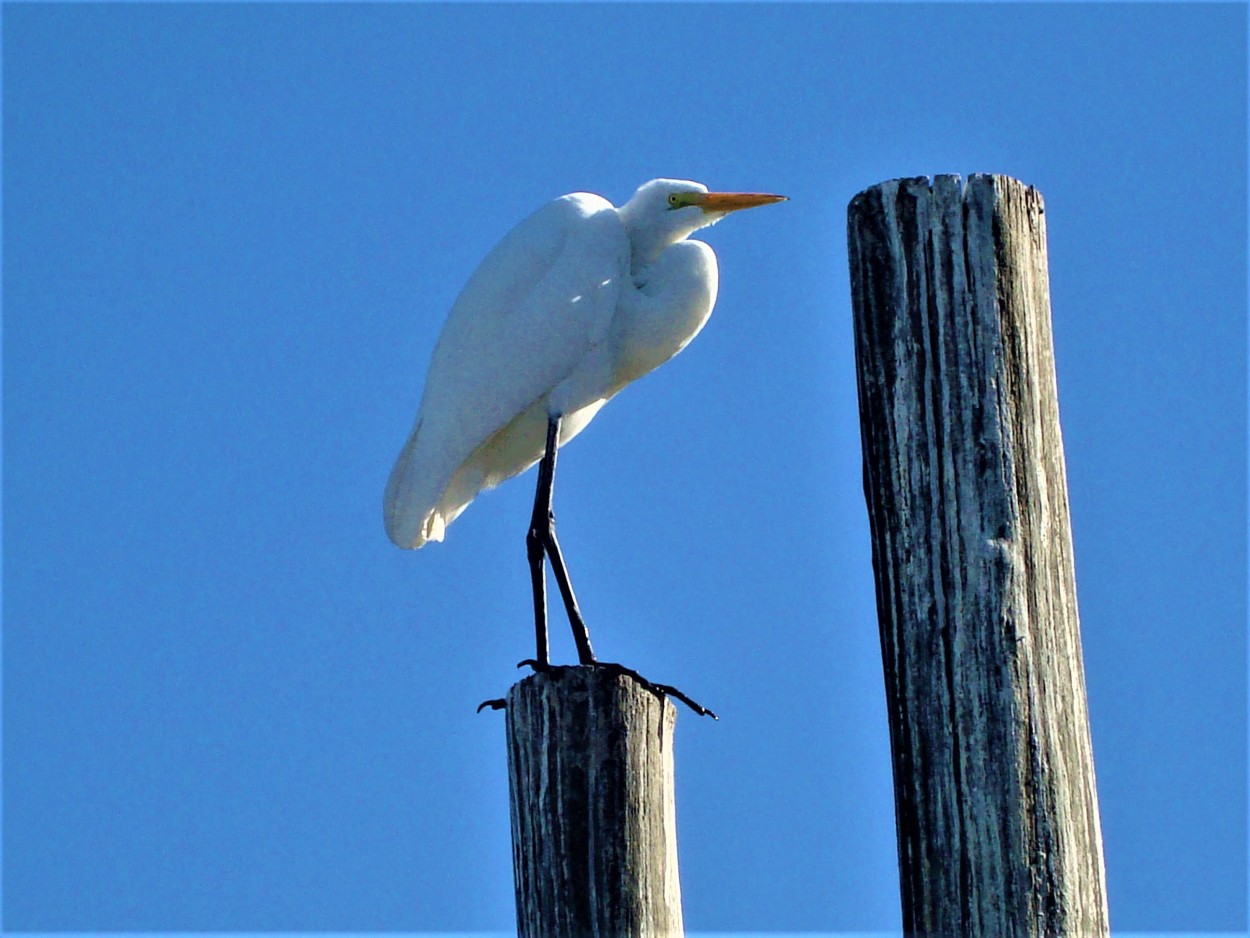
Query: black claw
point(664, 690)
point(671, 691)
point(497, 704)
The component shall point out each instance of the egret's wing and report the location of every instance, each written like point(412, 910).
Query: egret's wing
point(538, 304)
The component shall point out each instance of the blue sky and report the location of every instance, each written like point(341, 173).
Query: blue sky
point(231, 234)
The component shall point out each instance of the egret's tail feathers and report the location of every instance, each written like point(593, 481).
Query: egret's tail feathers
point(409, 507)
point(420, 501)
point(412, 532)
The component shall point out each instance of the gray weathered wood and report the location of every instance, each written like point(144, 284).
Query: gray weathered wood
point(964, 476)
point(594, 835)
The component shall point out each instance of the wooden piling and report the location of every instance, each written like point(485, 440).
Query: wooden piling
point(964, 476)
point(594, 837)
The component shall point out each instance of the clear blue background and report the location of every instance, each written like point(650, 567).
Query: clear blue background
point(231, 234)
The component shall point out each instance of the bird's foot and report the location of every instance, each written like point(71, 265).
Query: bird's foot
point(499, 703)
point(664, 690)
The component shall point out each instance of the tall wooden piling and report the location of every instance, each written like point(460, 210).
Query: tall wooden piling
point(964, 475)
point(594, 835)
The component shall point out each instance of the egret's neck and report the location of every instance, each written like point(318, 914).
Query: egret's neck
point(646, 250)
point(650, 235)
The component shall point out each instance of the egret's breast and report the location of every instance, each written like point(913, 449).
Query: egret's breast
point(658, 319)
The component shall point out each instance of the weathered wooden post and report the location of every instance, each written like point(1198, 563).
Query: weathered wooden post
point(594, 834)
point(964, 476)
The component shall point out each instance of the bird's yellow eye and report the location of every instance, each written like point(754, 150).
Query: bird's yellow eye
point(674, 201)
point(681, 199)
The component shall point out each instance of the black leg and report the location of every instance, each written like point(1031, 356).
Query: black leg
point(535, 548)
point(542, 539)
point(581, 634)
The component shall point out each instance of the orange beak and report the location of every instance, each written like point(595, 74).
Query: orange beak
point(733, 201)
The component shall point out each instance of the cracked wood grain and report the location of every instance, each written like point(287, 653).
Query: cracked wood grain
point(964, 476)
point(594, 834)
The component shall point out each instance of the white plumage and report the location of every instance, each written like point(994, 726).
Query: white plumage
point(578, 300)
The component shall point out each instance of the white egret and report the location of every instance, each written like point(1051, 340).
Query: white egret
point(577, 301)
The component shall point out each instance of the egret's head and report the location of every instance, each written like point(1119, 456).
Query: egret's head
point(664, 211)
